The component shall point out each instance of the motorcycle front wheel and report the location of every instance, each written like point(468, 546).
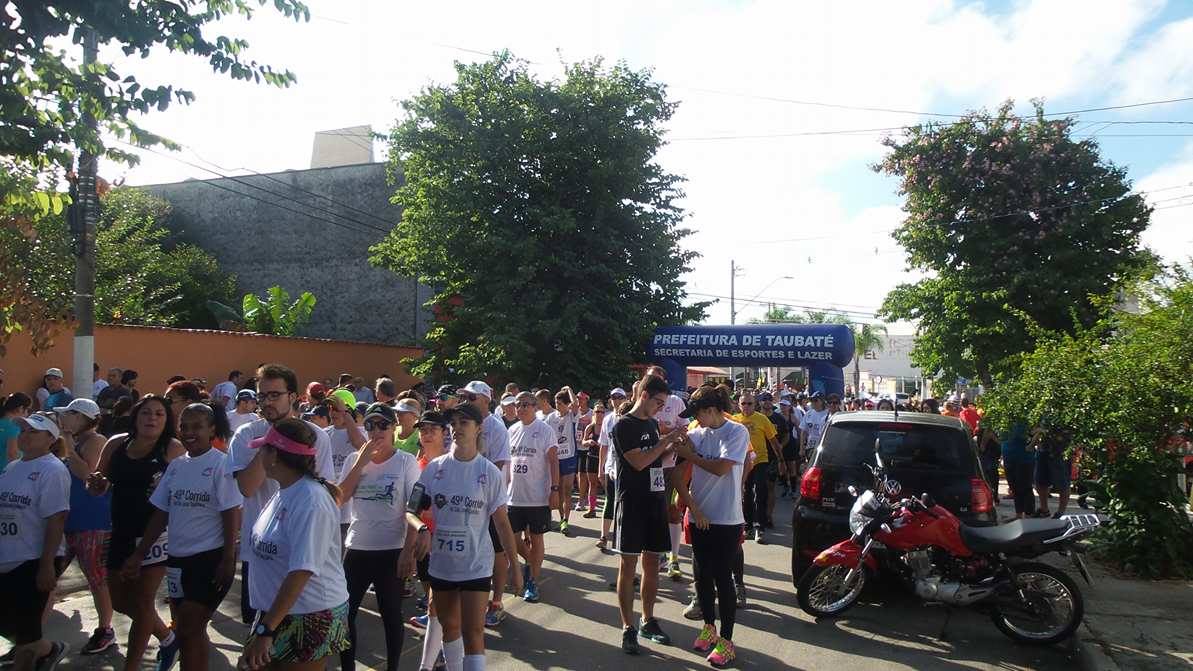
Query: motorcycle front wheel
point(1041, 606)
point(823, 591)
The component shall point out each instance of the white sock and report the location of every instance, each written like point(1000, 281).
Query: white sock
point(168, 640)
point(676, 534)
point(474, 663)
point(432, 643)
point(453, 654)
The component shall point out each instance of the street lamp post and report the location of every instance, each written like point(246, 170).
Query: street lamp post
point(733, 270)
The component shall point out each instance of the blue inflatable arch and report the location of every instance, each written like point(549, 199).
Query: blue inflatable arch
point(823, 349)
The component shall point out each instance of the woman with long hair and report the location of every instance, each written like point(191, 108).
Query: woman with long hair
point(296, 577)
point(130, 467)
point(199, 501)
point(469, 491)
point(16, 407)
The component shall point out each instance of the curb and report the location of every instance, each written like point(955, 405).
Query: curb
point(1091, 653)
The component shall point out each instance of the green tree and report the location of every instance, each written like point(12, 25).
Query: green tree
point(866, 338)
point(538, 211)
point(1006, 215)
point(785, 315)
point(44, 92)
point(276, 314)
point(1121, 389)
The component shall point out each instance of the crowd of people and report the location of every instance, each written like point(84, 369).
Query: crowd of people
point(319, 493)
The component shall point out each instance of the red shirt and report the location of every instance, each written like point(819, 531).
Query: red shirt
point(970, 416)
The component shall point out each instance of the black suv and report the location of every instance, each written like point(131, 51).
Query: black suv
point(924, 452)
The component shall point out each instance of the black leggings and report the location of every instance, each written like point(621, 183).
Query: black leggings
point(610, 497)
point(754, 496)
point(380, 569)
point(1019, 478)
point(714, 550)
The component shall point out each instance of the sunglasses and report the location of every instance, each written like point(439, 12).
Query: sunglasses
point(377, 424)
point(525, 404)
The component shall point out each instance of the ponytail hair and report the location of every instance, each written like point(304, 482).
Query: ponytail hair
point(296, 429)
point(216, 415)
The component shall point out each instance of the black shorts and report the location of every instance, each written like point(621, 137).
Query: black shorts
point(423, 568)
point(535, 518)
point(478, 585)
point(192, 578)
point(791, 451)
point(494, 537)
point(20, 619)
point(641, 526)
point(588, 462)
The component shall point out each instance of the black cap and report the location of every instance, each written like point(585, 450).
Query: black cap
point(381, 410)
point(763, 396)
point(432, 418)
point(361, 407)
point(447, 390)
point(317, 411)
point(467, 410)
point(817, 395)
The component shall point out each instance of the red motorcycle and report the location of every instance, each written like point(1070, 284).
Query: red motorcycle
point(943, 560)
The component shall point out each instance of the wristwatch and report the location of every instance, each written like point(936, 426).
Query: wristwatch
point(423, 528)
point(261, 631)
point(554, 488)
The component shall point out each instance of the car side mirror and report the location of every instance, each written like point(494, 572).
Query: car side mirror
point(927, 500)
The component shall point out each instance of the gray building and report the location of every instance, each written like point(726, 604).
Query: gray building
point(307, 230)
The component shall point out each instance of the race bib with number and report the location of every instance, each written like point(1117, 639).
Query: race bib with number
point(174, 582)
point(521, 467)
point(452, 541)
point(158, 552)
point(658, 481)
point(9, 526)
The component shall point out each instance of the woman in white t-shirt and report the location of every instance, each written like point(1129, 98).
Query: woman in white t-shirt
point(463, 491)
point(296, 574)
point(37, 500)
point(378, 482)
point(197, 498)
point(717, 451)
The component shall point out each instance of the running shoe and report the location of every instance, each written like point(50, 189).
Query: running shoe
point(602, 542)
point(723, 654)
point(693, 612)
point(50, 661)
point(579, 506)
point(741, 595)
point(750, 533)
point(563, 527)
point(494, 616)
point(101, 639)
point(650, 630)
point(591, 514)
point(167, 655)
point(673, 571)
point(419, 621)
point(760, 536)
point(629, 641)
point(706, 640)
point(531, 594)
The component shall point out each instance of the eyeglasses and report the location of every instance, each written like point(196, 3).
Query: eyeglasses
point(271, 396)
point(525, 404)
point(377, 425)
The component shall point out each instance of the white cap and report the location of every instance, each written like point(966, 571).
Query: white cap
point(509, 399)
point(42, 422)
point(53, 372)
point(83, 406)
point(479, 388)
point(618, 391)
point(407, 405)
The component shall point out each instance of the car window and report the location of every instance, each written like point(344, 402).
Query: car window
point(902, 445)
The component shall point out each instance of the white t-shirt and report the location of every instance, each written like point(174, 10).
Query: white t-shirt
point(669, 417)
point(298, 530)
point(226, 388)
point(239, 457)
point(719, 497)
point(379, 503)
point(341, 458)
point(495, 439)
point(530, 464)
point(564, 427)
point(606, 441)
point(30, 492)
point(813, 422)
point(194, 491)
point(238, 419)
point(464, 496)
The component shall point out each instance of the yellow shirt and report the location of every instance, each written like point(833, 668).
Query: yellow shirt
point(761, 431)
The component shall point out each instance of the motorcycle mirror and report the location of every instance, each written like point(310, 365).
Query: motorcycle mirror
point(927, 500)
point(852, 490)
point(878, 454)
point(886, 528)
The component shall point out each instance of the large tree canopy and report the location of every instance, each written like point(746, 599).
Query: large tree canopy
point(1007, 216)
point(537, 210)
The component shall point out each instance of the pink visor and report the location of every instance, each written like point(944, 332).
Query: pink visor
point(280, 442)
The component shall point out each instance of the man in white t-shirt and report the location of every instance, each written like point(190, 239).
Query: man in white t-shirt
point(533, 488)
point(277, 391)
point(347, 437)
point(811, 427)
point(608, 461)
point(245, 410)
point(224, 393)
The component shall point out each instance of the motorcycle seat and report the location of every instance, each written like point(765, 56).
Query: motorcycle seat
point(1012, 535)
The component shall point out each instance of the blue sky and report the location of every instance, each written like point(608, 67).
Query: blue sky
point(805, 207)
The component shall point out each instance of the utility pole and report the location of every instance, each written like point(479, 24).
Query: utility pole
point(732, 315)
point(85, 214)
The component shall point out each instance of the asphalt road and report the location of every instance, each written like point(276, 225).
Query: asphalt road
point(576, 624)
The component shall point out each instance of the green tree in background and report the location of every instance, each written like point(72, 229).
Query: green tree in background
point(538, 211)
point(1007, 215)
point(866, 338)
point(276, 314)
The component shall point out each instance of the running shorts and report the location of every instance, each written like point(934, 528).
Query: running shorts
point(535, 518)
point(588, 462)
point(20, 619)
point(91, 549)
point(478, 585)
point(193, 578)
point(309, 636)
point(568, 466)
point(641, 526)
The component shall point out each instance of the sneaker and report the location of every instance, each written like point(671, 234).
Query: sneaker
point(741, 595)
point(693, 612)
point(673, 571)
point(531, 594)
point(629, 641)
point(563, 527)
point(750, 533)
point(494, 616)
point(723, 654)
point(101, 639)
point(579, 506)
point(760, 536)
point(650, 630)
point(50, 661)
point(706, 640)
point(602, 542)
point(419, 621)
point(591, 514)
point(167, 655)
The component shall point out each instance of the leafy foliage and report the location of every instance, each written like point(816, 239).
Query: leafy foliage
point(276, 314)
point(1122, 389)
point(537, 210)
point(1007, 216)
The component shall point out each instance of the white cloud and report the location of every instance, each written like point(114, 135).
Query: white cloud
point(1162, 68)
point(1170, 233)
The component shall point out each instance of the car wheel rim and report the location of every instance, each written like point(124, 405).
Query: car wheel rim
point(828, 592)
point(1041, 606)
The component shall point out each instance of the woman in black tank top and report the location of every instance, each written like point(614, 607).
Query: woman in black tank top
point(130, 466)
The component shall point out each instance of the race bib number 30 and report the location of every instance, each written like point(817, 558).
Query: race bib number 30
point(658, 482)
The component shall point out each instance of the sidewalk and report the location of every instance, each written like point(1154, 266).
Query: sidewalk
point(1130, 624)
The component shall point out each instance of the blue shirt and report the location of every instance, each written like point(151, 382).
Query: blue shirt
point(1014, 446)
point(8, 429)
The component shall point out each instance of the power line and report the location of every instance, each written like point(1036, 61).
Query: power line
point(862, 132)
point(789, 303)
